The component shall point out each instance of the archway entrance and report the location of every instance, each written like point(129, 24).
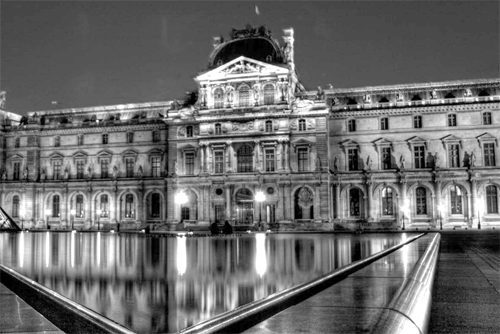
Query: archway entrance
point(244, 206)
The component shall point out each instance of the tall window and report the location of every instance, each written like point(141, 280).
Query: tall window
point(268, 94)
point(452, 120)
point(55, 206)
point(270, 162)
point(456, 200)
point(387, 203)
point(80, 140)
point(17, 171)
point(57, 170)
point(487, 118)
point(218, 98)
point(57, 141)
point(189, 163)
point(354, 202)
point(269, 126)
point(245, 159)
point(156, 136)
point(104, 168)
point(79, 210)
point(80, 169)
point(15, 206)
point(352, 158)
point(417, 122)
point(386, 158)
point(419, 155)
point(104, 206)
point(185, 213)
point(218, 129)
point(155, 205)
point(421, 201)
point(351, 125)
point(155, 166)
point(384, 123)
point(17, 142)
point(129, 167)
point(302, 125)
point(244, 96)
point(105, 138)
point(491, 199)
point(219, 162)
point(454, 155)
point(189, 131)
point(489, 154)
point(130, 137)
point(129, 206)
point(303, 159)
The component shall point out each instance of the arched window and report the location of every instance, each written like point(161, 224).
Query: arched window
point(491, 199)
point(129, 206)
point(269, 126)
point(218, 98)
point(268, 94)
point(387, 203)
point(302, 125)
point(354, 202)
point(244, 96)
point(155, 205)
point(104, 206)
point(79, 210)
point(421, 201)
point(456, 200)
point(218, 129)
point(55, 206)
point(245, 159)
point(15, 206)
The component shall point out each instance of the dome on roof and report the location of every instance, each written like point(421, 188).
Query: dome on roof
point(250, 42)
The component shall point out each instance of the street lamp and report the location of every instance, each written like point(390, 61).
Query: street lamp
point(72, 214)
point(260, 197)
point(478, 219)
point(440, 209)
point(22, 212)
point(181, 198)
point(47, 213)
point(404, 208)
point(99, 211)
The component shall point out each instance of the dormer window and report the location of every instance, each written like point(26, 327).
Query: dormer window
point(244, 96)
point(218, 129)
point(452, 120)
point(219, 62)
point(269, 126)
point(351, 125)
point(302, 125)
point(218, 98)
point(189, 131)
point(269, 58)
point(417, 122)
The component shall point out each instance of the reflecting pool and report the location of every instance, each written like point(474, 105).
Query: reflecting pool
point(152, 283)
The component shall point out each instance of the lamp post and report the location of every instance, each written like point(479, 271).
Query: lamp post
point(440, 209)
point(72, 216)
point(99, 211)
point(260, 197)
point(181, 198)
point(47, 213)
point(404, 208)
point(478, 219)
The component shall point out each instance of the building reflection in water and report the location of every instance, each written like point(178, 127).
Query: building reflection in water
point(164, 284)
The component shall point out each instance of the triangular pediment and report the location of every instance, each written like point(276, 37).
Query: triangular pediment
point(486, 136)
point(416, 139)
point(348, 142)
point(242, 66)
point(80, 154)
point(15, 157)
point(56, 156)
point(382, 142)
point(188, 147)
point(302, 142)
point(451, 138)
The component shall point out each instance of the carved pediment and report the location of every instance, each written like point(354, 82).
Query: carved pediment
point(104, 154)
point(129, 154)
point(155, 152)
point(189, 148)
point(349, 143)
point(15, 157)
point(382, 142)
point(450, 139)
point(56, 156)
point(416, 140)
point(486, 137)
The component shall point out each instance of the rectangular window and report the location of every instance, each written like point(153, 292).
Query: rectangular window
point(57, 141)
point(129, 167)
point(487, 118)
point(189, 131)
point(80, 140)
point(17, 143)
point(351, 125)
point(489, 154)
point(55, 206)
point(104, 169)
point(219, 162)
point(17, 170)
point(105, 138)
point(80, 169)
point(417, 122)
point(419, 154)
point(155, 166)
point(130, 137)
point(57, 170)
point(79, 207)
point(454, 155)
point(384, 123)
point(270, 163)
point(156, 136)
point(352, 158)
point(491, 199)
point(452, 120)
point(303, 159)
point(386, 158)
point(189, 163)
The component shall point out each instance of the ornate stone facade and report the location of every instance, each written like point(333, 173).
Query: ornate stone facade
point(413, 156)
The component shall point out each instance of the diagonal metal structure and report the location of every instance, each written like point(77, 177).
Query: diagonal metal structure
point(7, 223)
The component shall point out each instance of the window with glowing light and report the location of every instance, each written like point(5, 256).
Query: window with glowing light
point(129, 206)
point(456, 200)
point(155, 166)
point(104, 206)
point(270, 160)
point(245, 159)
point(57, 170)
point(244, 96)
point(218, 98)
point(491, 199)
point(387, 202)
point(354, 202)
point(79, 208)
point(489, 154)
point(129, 167)
point(218, 162)
point(55, 206)
point(268, 94)
point(421, 201)
point(15, 206)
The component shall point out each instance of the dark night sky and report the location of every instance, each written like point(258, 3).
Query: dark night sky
point(85, 53)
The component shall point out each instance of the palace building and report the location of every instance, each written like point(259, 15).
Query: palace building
point(256, 148)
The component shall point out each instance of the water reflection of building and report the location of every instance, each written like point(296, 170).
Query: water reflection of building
point(136, 280)
point(424, 154)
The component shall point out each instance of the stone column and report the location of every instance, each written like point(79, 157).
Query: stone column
point(202, 159)
point(474, 203)
point(141, 213)
point(286, 146)
point(438, 202)
point(338, 213)
point(288, 200)
point(369, 189)
point(403, 198)
point(228, 201)
point(256, 155)
point(229, 155)
point(317, 201)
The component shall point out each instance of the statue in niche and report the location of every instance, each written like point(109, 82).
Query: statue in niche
point(89, 172)
point(472, 159)
point(25, 174)
point(176, 171)
point(320, 95)
point(140, 172)
point(43, 176)
point(468, 93)
point(402, 162)
point(436, 160)
point(318, 164)
point(66, 173)
point(283, 87)
point(203, 95)
point(367, 98)
point(305, 197)
point(399, 97)
point(433, 95)
point(287, 51)
point(369, 163)
point(230, 96)
point(4, 175)
point(336, 163)
point(115, 172)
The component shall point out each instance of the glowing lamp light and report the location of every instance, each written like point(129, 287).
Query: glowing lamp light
point(259, 196)
point(440, 208)
point(181, 198)
point(73, 212)
point(48, 212)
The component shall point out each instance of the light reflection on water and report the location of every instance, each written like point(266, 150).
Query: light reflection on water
point(165, 284)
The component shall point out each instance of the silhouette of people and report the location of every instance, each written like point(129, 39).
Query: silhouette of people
point(214, 228)
point(227, 229)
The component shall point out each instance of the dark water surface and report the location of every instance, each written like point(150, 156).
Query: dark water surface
point(165, 284)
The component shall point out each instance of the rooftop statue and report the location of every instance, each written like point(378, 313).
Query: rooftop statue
point(3, 98)
point(249, 31)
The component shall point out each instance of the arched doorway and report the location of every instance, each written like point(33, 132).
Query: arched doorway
point(304, 208)
point(244, 206)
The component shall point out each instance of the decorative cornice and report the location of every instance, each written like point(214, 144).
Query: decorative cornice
point(44, 131)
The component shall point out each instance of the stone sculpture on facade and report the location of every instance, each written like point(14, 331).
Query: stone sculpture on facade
point(89, 172)
point(402, 162)
point(115, 172)
point(436, 160)
point(369, 163)
point(3, 98)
